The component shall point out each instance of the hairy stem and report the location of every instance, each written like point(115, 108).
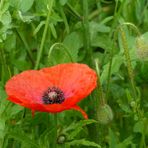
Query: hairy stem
point(128, 60)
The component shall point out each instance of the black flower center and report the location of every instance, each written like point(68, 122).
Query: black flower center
point(53, 96)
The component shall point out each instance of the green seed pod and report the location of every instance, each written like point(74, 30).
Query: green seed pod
point(61, 139)
point(142, 48)
point(105, 114)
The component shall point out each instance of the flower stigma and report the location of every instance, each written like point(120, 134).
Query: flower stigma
point(53, 96)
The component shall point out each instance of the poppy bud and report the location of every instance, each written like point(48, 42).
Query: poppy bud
point(105, 114)
point(61, 139)
point(142, 48)
point(133, 104)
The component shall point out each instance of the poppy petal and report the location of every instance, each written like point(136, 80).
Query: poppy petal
point(28, 86)
point(75, 80)
point(80, 110)
point(33, 112)
point(53, 108)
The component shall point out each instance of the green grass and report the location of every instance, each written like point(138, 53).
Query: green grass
point(108, 35)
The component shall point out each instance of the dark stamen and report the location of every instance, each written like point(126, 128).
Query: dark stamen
point(53, 96)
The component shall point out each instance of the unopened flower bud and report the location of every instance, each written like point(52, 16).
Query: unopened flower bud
point(105, 114)
point(133, 103)
point(61, 139)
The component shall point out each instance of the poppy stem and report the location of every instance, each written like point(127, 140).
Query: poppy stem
point(44, 34)
point(102, 100)
point(128, 60)
point(65, 49)
point(86, 33)
point(55, 131)
point(5, 70)
point(110, 64)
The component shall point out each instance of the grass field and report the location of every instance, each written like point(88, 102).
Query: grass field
point(111, 37)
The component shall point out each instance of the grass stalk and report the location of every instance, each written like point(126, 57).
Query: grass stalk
point(39, 54)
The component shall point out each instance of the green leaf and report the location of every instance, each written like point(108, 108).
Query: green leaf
point(96, 27)
point(37, 29)
point(25, 5)
point(15, 3)
point(2, 123)
point(112, 139)
point(6, 18)
point(75, 128)
point(24, 138)
point(102, 41)
point(79, 124)
point(2, 92)
point(4, 7)
point(55, 18)
point(73, 42)
point(2, 128)
point(63, 2)
point(21, 64)
point(124, 106)
point(53, 30)
point(116, 63)
point(10, 43)
point(4, 31)
point(107, 19)
point(83, 142)
point(15, 109)
point(126, 142)
point(139, 127)
point(41, 6)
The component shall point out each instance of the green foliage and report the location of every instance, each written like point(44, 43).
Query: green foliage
point(84, 143)
point(23, 138)
point(75, 128)
point(77, 31)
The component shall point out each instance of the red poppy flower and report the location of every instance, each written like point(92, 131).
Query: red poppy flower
point(53, 89)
